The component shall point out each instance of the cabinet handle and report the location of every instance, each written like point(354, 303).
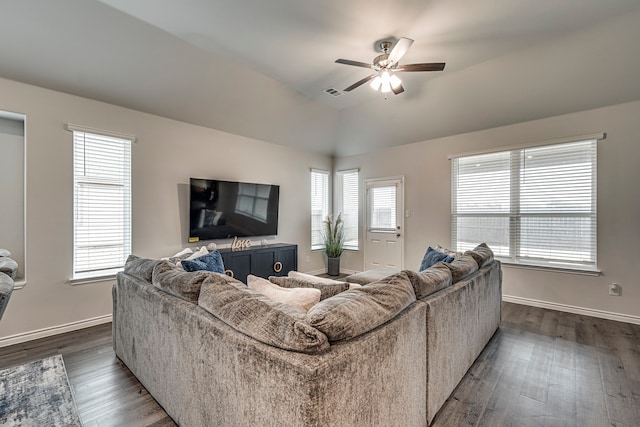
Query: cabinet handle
point(277, 267)
point(229, 273)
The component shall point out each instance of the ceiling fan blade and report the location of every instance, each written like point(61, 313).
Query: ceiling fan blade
point(429, 66)
point(360, 82)
point(397, 90)
point(398, 51)
point(354, 63)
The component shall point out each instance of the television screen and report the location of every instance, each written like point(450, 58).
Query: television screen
point(225, 209)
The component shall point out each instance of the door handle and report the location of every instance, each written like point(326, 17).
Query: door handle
point(397, 234)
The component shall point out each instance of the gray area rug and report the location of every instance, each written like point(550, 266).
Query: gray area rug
point(37, 394)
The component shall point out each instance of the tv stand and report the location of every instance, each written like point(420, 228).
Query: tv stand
point(263, 261)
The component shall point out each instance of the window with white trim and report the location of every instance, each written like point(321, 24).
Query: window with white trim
point(101, 204)
point(533, 206)
point(319, 205)
point(347, 202)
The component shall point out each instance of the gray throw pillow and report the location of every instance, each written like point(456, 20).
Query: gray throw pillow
point(356, 311)
point(140, 267)
point(482, 254)
point(327, 290)
point(177, 282)
point(279, 325)
point(461, 267)
point(430, 280)
point(8, 267)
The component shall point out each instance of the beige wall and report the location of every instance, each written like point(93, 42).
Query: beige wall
point(167, 153)
point(428, 195)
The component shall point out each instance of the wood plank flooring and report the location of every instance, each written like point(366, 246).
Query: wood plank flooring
point(542, 368)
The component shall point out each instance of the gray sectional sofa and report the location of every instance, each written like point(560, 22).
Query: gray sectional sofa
point(215, 353)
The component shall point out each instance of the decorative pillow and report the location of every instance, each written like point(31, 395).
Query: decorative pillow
point(5, 252)
point(482, 254)
point(449, 252)
point(177, 282)
point(429, 281)
point(327, 290)
point(311, 278)
point(303, 298)
point(461, 267)
point(8, 267)
point(270, 322)
point(433, 256)
point(356, 311)
point(142, 268)
point(209, 262)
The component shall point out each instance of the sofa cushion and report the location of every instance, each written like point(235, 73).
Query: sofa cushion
point(142, 268)
point(482, 254)
point(327, 290)
point(5, 252)
point(370, 276)
point(303, 298)
point(209, 262)
point(8, 267)
point(461, 267)
point(177, 282)
point(429, 281)
point(432, 257)
point(311, 278)
point(356, 311)
point(270, 322)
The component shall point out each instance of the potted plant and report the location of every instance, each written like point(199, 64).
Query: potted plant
point(333, 237)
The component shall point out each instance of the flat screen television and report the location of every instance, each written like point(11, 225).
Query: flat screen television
point(226, 209)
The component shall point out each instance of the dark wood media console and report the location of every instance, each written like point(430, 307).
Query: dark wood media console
point(271, 260)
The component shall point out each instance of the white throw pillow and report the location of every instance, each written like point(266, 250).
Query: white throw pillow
point(303, 298)
point(202, 251)
point(312, 278)
point(183, 252)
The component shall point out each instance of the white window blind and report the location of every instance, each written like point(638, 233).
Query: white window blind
point(348, 204)
point(102, 204)
point(319, 205)
point(534, 206)
point(382, 208)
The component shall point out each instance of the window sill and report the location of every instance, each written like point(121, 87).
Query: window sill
point(565, 270)
point(86, 279)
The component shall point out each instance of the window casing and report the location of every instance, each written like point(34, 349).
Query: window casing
point(102, 204)
point(319, 205)
point(347, 202)
point(533, 206)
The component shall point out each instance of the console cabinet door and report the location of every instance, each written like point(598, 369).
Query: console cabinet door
point(237, 264)
point(262, 261)
point(288, 258)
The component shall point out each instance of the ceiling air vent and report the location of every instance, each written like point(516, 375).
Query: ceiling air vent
point(333, 91)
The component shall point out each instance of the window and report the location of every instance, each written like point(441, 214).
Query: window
point(253, 201)
point(101, 203)
point(382, 208)
point(319, 205)
point(534, 206)
point(347, 203)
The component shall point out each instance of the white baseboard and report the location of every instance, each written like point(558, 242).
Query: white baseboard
point(53, 330)
point(627, 318)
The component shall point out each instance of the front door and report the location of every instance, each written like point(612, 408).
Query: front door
point(384, 233)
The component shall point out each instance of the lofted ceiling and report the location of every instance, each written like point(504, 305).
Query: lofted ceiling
point(258, 69)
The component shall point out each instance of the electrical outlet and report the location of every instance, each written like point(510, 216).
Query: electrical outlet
point(615, 290)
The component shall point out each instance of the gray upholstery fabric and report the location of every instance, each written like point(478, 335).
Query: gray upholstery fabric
point(140, 267)
point(8, 266)
point(205, 373)
point(327, 290)
point(6, 289)
point(370, 276)
point(280, 325)
point(482, 254)
point(178, 282)
point(461, 267)
point(356, 311)
point(460, 321)
point(429, 281)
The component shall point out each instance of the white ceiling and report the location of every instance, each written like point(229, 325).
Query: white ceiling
point(257, 68)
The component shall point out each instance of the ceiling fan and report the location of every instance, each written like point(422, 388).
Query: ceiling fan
point(387, 64)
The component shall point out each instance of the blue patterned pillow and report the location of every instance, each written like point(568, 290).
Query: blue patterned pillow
point(209, 262)
point(432, 257)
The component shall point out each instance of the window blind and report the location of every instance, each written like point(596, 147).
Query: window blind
point(102, 204)
point(349, 206)
point(319, 205)
point(534, 206)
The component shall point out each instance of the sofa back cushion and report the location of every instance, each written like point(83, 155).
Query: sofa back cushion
point(142, 268)
point(280, 325)
point(430, 280)
point(356, 311)
point(327, 290)
point(177, 282)
point(482, 254)
point(461, 267)
point(303, 298)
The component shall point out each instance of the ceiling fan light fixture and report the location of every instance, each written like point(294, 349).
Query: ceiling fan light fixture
point(395, 81)
point(386, 87)
point(375, 83)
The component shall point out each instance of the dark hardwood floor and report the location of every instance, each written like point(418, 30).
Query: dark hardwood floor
point(542, 368)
